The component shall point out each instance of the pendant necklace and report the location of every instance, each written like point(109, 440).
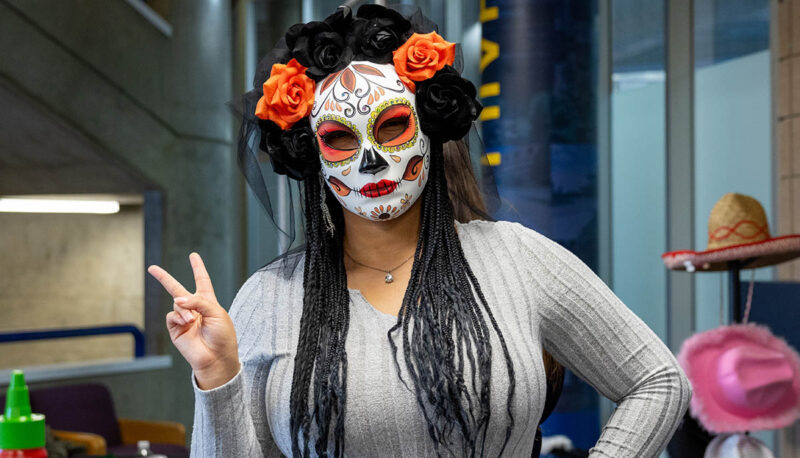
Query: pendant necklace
point(389, 278)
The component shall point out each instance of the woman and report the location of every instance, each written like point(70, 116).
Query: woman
point(358, 109)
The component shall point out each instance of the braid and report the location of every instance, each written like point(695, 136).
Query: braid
point(448, 324)
point(323, 331)
point(443, 304)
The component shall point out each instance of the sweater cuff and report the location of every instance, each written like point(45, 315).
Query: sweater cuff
point(226, 390)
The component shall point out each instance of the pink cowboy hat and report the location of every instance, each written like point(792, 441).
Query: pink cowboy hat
point(737, 230)
point(743, 378)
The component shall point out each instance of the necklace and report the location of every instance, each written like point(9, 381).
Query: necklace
point(389, 278)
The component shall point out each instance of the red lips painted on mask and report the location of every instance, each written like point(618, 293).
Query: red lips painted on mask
point(378, 189)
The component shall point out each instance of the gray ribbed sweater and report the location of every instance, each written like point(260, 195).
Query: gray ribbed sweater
point(541, 296)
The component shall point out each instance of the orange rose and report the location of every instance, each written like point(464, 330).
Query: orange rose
point(421, 56)
point(288, 95)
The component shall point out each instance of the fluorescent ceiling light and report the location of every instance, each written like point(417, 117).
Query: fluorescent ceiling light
point(25, 205)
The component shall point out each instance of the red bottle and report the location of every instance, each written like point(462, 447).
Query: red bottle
point(21, 432)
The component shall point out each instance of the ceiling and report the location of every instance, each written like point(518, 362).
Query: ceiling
point(42, 154)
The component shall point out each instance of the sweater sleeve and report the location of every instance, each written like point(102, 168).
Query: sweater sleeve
point(231, 420)
point(586, 327)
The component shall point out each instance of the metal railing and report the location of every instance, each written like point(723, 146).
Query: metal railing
point(27, 335)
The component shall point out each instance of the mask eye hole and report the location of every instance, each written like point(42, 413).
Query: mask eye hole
point(391, 129)
point(341, 140)
point(395, 126)
point(337, 142)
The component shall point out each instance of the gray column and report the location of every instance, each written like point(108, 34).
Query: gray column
point(680, 165)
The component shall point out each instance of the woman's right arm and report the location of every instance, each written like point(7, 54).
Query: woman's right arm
point(229, 377)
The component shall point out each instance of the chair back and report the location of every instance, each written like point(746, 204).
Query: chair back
point(86, 408)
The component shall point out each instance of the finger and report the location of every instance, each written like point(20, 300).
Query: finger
point(173, 287)
point(186, 314)
point(175, 319)
point(201, 278)
point(199, 304)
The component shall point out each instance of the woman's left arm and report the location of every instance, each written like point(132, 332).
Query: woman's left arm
point(585, 326)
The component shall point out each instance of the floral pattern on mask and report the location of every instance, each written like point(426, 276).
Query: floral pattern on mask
point(354, 89)
point(380, 212)
point(405, 201)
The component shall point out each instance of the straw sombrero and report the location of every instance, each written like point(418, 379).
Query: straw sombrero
point(737, 231)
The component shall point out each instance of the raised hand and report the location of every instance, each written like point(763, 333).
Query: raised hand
point(200, 328)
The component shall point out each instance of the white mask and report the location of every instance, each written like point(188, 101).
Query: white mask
point(374, 156)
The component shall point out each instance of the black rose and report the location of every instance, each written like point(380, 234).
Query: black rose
point(318, 46)
point(341, 20)
point(378, 31)
point(446, 105)
point(292, 152)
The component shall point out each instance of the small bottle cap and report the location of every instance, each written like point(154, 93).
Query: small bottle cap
point(19, 428)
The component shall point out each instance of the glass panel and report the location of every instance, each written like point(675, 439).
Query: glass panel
point(732, 126)
point(638, 148)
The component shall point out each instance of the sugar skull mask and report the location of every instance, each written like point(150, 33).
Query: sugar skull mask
point(374, 156)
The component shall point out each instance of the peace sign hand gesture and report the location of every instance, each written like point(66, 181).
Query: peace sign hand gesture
point(200, 328)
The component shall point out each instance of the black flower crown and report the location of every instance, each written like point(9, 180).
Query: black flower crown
point(446, 102)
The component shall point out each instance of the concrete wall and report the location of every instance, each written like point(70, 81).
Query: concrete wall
point(154, 104)
point(68, 270)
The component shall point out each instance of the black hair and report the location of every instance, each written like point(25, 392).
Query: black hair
point(443, 304)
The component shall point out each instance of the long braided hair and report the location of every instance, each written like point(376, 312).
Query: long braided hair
point(448, 325)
